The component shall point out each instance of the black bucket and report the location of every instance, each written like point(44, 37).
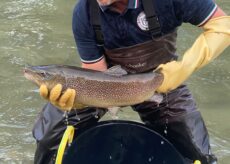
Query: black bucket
point(121, 142)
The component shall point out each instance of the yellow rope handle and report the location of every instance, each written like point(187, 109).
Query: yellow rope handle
point(197, 162)
point(67, 137)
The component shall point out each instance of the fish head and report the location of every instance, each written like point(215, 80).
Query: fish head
point(48, 75)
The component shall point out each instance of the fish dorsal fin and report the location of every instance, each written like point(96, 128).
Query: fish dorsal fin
point(116, 71)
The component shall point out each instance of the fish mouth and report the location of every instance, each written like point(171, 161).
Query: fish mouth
point(37, 74)
point(28, 73)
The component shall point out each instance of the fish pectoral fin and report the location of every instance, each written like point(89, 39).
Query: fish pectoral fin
point(113, 112)
point(157, 98)
point(116, 71)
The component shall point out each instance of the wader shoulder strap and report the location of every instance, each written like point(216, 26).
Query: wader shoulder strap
point(149, 9)
point(152, 19)
point(95, 21)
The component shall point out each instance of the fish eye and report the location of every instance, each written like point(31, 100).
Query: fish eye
point(45, 76)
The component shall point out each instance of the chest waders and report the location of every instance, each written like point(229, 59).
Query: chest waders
point(176, 118)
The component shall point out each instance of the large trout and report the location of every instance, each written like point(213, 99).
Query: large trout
point(113, 88)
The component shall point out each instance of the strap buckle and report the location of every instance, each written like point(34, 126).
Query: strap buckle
point(154, 26)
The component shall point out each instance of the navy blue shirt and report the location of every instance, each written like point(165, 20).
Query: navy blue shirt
point(127, 29)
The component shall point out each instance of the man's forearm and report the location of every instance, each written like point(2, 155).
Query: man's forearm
point(219, 12)
point(99, 66)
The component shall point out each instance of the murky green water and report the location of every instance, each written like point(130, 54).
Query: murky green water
point(39, 32)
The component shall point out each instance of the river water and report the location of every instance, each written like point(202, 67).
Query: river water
point(39, 32)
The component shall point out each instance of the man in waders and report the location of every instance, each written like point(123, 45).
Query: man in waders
point(140, 35)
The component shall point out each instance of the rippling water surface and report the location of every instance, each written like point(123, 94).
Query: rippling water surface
point(39, 32)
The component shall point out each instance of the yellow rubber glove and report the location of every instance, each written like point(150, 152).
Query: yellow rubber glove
point(63, 101)
point(210, 44)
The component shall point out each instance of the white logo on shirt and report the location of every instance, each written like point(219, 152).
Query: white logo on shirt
point(142, 22)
